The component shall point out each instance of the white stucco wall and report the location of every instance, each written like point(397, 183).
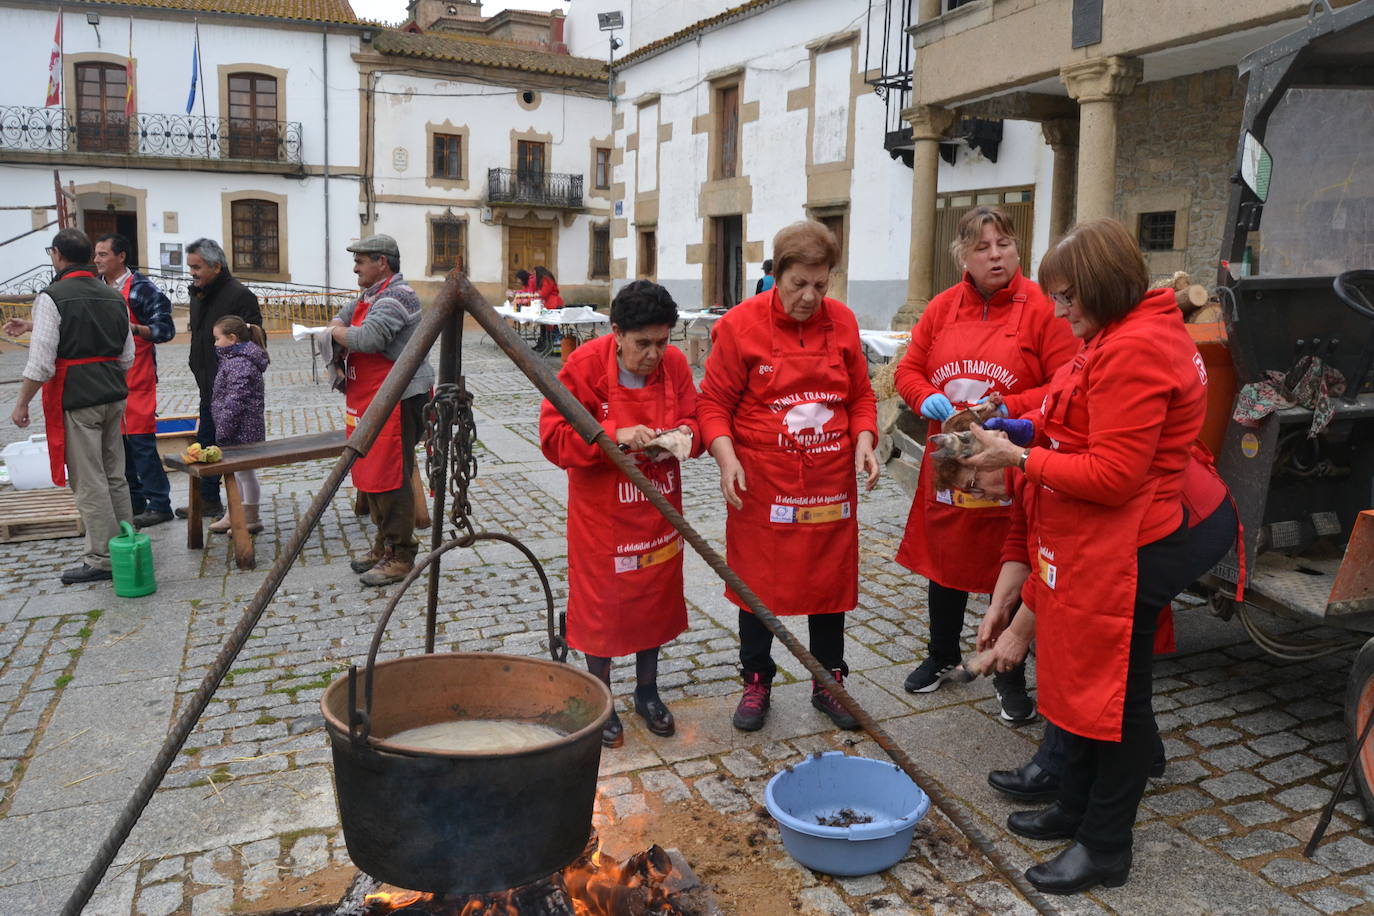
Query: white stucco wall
point(772, 48)
point(162, 50)
point(407, 103)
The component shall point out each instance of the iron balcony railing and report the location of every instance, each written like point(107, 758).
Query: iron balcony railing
point(60, 130)
point(531, 188)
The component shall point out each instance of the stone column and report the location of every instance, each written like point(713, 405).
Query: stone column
point(1062, 136)
point(1098, 85)
point(928, 126)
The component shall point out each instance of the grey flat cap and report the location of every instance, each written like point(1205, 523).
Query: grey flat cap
point(376, 244)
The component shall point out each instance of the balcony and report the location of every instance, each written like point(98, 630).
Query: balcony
point(516, 187)
point(34, 134)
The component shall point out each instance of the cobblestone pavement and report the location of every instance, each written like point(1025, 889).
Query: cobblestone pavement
point(89, 683)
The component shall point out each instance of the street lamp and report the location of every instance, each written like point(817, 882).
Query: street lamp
point(609, 22)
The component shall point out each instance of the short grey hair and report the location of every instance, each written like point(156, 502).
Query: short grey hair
point(209, 251)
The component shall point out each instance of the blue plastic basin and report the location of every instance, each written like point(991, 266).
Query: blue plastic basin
point(824, 785)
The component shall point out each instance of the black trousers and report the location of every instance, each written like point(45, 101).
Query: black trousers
point(205, 435)
point(756, 643)
point(1103, 781)
point(947, 607)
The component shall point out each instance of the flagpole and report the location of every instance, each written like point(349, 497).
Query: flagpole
point(200, 66)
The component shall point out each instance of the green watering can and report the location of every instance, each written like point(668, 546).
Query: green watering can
point(131, 559)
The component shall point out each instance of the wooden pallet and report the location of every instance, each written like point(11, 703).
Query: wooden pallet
point(39, 515)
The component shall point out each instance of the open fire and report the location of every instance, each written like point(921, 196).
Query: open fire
point(648, 882)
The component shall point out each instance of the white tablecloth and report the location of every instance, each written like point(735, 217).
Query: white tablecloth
point(884, 343)
point(570, 315)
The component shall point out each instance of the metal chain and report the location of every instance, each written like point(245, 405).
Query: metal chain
point(449, 414)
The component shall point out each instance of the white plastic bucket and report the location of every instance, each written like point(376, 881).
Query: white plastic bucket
point(28, 464)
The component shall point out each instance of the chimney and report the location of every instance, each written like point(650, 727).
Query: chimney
point(556, 43)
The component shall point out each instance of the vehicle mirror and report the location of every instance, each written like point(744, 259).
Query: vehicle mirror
point(1255, 166)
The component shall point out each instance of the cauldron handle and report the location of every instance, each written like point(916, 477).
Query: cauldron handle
point(360, 719)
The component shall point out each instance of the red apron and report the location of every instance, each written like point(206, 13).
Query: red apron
point(54, 424)
point(952, 537)
point(1082, 583)
point(796, 541)
point(624, 558)
point(382, 468)
point(140, 413)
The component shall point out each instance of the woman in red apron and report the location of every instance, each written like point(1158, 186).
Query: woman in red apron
point(787, 411)
point(993, 333)
point(1108, 539)
point(624, 558)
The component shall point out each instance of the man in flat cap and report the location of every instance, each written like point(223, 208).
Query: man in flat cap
point(373, 331)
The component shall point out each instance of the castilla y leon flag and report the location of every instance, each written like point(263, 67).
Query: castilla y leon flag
point(55, 66)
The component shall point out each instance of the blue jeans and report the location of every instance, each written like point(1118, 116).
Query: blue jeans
point(149, 489)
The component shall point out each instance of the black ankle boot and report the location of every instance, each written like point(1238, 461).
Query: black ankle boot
point(1078, 869)
point(651, 709)
point(1052, 823)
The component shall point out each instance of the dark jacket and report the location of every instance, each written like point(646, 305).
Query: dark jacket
point(237, 404)
point(94, 324)
point(151, 308)
point(224, 296)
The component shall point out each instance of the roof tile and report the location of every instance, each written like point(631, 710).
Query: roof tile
point(437, 46)
point(307, 10)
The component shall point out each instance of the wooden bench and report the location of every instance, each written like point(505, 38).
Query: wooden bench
point(271, 453)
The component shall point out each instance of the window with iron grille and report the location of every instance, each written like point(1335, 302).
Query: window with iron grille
point(257, 239)
point(603, 169)
point(448, 242)
point(1157, 231)
point(601, 251)
point(448, 156)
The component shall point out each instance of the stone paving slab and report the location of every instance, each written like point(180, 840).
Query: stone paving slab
point(1254, 743)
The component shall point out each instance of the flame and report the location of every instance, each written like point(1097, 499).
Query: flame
point(394, 900)
point(596, 884)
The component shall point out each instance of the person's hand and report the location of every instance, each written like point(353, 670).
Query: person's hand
point(998, 451)
point(1008, 651)
point(732, 481)
point(865, 460)
point(1001, 408)
point(634, 438)
point(995, 622)
point(20, 415)
point(17, 326)
point(937, 407)
point(1020, 432)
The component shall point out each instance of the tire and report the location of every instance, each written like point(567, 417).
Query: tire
point(1359, 706)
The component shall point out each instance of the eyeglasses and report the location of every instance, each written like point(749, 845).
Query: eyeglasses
point(1065, 298)
point(49, 250)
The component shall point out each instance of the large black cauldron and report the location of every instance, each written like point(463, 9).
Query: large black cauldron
point(463, 822)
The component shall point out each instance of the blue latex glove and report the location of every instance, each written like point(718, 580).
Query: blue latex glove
point(937, 407)
point(1001, 408)
point(1020, 432)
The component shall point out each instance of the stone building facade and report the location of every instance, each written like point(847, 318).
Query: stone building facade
point(1174, 160)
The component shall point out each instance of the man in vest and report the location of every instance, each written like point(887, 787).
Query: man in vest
point(79, 353)
point(150, 321)
point(374, 331)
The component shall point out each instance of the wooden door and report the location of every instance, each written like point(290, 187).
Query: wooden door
point(950, 208)
point(252, 116)
point(99, 222)
point(527, 249)
point(529, 168)
point(101, 125)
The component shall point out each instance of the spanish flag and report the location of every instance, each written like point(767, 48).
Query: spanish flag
point(129, 79)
